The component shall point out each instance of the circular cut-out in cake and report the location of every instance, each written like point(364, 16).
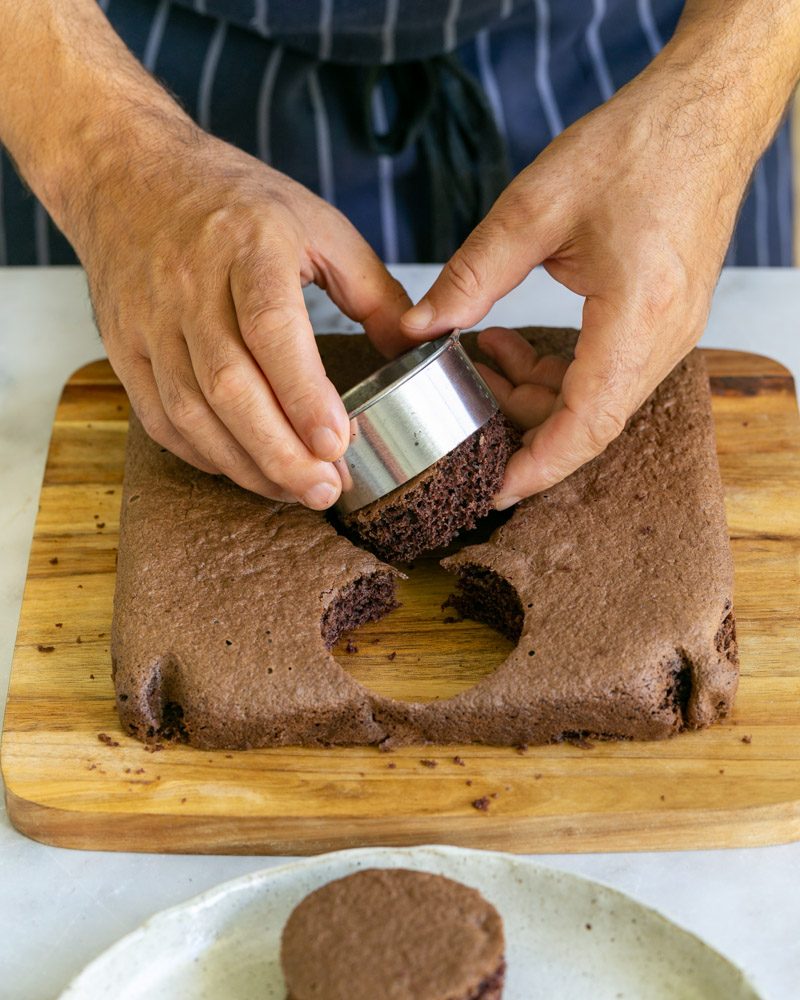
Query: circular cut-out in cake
point(433, 646)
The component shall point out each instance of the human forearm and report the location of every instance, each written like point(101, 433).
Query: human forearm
point(195, 254)
point(739, 63)
point(74, 103)
point(632, 207)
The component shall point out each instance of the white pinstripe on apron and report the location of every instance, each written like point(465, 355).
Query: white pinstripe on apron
point(541, 64)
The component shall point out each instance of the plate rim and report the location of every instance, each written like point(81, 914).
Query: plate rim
point(208, 897)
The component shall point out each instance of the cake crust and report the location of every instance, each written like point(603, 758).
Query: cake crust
point(394, 934)
point(616, 584)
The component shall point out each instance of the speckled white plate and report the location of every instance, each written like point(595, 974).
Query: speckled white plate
point(566, 936)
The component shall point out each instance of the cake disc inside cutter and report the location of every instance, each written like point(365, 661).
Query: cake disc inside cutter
point(408, 415)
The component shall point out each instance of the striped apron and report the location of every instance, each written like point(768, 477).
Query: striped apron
point(373, 105)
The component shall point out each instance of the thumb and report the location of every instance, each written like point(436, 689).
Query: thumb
point(497, 255)
point(614, 370)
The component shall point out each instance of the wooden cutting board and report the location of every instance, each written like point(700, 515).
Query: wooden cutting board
point(74, 779)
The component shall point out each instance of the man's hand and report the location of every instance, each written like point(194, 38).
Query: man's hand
point(196, 258)
point(632, 207)
point(195, 254)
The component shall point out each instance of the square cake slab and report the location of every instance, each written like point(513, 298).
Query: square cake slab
point(74, 778)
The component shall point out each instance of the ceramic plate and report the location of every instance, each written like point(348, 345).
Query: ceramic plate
point(566, 936)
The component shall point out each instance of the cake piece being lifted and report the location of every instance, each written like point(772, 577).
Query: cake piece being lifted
point(450, 497)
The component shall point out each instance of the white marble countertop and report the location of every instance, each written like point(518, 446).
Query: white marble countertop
point(60, 908)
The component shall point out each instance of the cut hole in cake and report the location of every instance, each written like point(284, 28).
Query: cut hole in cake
point(486, 597)
point(426, 649)
point(367, 599)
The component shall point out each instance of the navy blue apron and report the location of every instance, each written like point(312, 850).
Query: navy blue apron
point(408, 115)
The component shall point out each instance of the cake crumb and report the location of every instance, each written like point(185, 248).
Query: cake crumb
point(154, 748)
point(588, 927)
point(577, 740)
point(107, 740)
point(100, 524)
point(350, 647)
point(91, 677)
point(522, 748)
point(182, 801)
point(59, 624)
point(139, 770)
point(45, 649)
point(537, 776)
point(79, 640)
point(481, 804)
point(747, 739)
point(54, 561)
point(468, 781)
point(493, 795)
point(663, 798)
point(427, 762)
point(392, 655)
point(391, 765)
point(459, 761)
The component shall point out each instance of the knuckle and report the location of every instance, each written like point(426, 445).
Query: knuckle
point(465, 274)
point(659, 302)
point(230, 459)
point(226, 384)
point(603, 425)
point(184, 411)
point(156, 427)
point(666, 288)
point(300, 398)
point(280, 464)
point(268, 325)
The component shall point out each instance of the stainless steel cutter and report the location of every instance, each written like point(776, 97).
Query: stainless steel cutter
point(408, 415)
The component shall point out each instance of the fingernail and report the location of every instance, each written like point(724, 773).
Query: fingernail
point(420, 317)
point(320, 496)
point(503, 503)
point(326, 444)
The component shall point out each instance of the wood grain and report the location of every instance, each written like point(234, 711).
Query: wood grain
point(735, 784)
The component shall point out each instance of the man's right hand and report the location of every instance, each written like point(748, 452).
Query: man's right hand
point(195, 253)
point(196, 258)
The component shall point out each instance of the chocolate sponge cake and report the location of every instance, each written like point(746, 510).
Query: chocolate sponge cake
point(452, 495)
point(615, 585)
point(393, 934)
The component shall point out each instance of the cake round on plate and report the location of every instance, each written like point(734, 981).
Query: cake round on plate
point(393, 934)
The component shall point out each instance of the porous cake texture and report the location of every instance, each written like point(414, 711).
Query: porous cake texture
point(393, 934)
point(451, 496)
point(615, 585)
